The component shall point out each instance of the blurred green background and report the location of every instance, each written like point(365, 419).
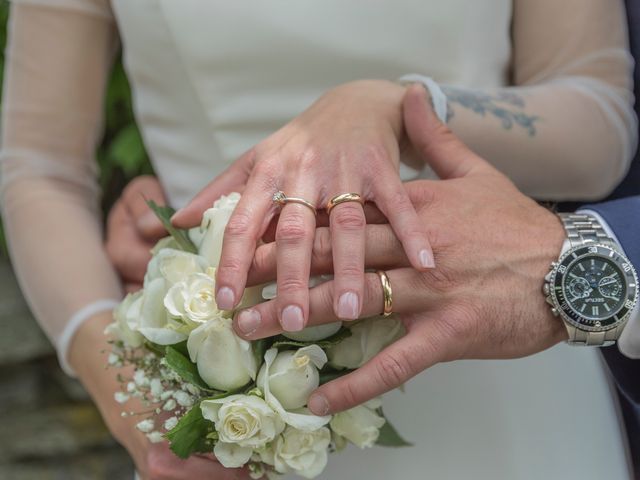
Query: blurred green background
point(121, 154)
point(51, 428)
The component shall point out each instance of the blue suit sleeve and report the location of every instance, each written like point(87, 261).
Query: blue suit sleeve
point(623, 217)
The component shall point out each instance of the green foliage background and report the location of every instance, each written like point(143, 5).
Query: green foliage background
point(121, 154)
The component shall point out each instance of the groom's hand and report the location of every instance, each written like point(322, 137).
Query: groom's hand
point(493, 247)
point(133, 229)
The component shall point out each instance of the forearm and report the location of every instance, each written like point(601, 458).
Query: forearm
point(553, 140)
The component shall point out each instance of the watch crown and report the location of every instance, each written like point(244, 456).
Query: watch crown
point(545, 289)
point(555, 312)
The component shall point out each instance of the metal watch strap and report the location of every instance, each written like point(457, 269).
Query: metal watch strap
point(582, 230)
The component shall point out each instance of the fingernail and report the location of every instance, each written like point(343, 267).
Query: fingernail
point(148, 221)
point(292, 319)
point(225, 298)
point(176, 214)
point(426, 259)
point(348, 306)
point(318, 404)
point(249, 321)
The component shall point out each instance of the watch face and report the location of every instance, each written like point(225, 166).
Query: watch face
point(594, 287)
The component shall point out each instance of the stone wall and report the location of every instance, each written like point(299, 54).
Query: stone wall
point(49, 426)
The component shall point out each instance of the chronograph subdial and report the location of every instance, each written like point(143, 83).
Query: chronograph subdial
point(610, 286)
point(579, 287)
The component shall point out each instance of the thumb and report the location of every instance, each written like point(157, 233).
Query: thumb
point(233, 179)
point(434, 141)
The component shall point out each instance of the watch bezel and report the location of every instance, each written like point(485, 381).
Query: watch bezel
point(568, 314)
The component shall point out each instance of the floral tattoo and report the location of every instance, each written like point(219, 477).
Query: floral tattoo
point(505, 106)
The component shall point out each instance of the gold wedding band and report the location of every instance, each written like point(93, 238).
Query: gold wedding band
point(342, 198)
point(387, 293)
point(281, 199)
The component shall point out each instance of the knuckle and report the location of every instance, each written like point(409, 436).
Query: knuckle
point(229, 266)
point(351, 270)
point(349, 394)
point(291, 229)
point(261, 262)
point(321, 253)
point(376, 153)
point(393, 370)
point(291, 283)
point(349, 217)
point(239, 224)
point(308, 158)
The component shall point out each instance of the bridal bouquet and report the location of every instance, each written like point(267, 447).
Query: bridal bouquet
point(208, 390)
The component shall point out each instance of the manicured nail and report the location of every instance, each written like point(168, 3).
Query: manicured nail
point(249, 321)
point(426, 259)
point(225, 298)
point(348, 306)
point(292, 319)
point(318, 404)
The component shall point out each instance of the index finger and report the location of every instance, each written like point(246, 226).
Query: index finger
point(422, 347)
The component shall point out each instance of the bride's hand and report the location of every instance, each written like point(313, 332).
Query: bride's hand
point(133, 229)
point(347, 141)
point(493, 245)
point(154, 461)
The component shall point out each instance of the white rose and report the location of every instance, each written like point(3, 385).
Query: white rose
point(304, 453)
point(294, 375)
point(360, 425)
point(193, 299)
point(243, 423)
point(147, 314)
point(120, 328)
point(214, 221)
point(174, 266)
point(225, 361)
point(300, 418)
point(368, 338)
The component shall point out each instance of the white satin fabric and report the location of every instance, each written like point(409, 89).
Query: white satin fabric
point(213, 78)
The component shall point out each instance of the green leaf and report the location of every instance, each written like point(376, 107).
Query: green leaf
point(183, 367)
point(155, 348)
point(164, 213)
point(389, 436)
point(259, 349)
point(283, 342)
point(190, 434)
point(327, 375)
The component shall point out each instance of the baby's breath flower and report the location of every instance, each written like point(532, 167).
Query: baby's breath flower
point(170, 423)
point(131, 387)
point(169, 405)
point(145, 426)
point(155, 437)
point(183, 398)
point(121, 397)
point(155, 386)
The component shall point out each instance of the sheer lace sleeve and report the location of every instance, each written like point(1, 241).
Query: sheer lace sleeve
point(57, 60)
point(566, 128)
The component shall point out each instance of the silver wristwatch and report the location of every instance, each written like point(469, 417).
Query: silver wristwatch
point(592, 287)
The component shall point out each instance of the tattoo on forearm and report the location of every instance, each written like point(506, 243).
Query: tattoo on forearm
point(505, 106)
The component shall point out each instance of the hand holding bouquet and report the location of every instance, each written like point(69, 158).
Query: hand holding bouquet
point(209, 390)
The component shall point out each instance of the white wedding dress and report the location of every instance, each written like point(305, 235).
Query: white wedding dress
point(213, 78)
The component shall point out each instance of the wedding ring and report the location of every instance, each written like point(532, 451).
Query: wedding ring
point(387, 293)
point(342, 198)
point(281, 199)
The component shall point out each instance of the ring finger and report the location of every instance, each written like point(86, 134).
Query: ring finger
point(409, 296)
point(294, 243)
point(347, 226)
